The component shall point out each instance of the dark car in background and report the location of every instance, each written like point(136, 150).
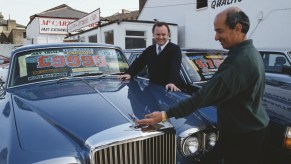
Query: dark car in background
point(198, 65)
point(64, 103)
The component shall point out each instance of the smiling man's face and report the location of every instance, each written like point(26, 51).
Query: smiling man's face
point(224, 34)
point(161, 35)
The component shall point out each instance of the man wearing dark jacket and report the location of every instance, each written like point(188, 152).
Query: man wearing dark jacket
point(237, 89)
point(163, 60)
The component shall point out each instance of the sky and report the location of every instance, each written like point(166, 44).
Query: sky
point(21, 10)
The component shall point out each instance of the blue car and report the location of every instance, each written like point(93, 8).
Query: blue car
point(64, 103)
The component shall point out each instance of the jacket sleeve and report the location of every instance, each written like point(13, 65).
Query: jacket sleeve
point(176, 59)
point(219, 88)
point(137, 65)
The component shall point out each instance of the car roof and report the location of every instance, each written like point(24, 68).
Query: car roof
point(60, 45)
point(182, 49)
point(285, 50)
point(202, 50)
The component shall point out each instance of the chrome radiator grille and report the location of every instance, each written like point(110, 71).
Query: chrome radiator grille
point(156, 150)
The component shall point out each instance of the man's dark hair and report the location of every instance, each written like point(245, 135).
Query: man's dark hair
point(234, 17)
point(160, 24)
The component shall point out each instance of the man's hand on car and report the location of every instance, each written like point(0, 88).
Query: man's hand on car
point(172, 87)
point(150, 119)
point(124, 77)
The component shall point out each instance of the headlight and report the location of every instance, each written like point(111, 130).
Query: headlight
point(287, 142)
point(195, 143)
point(190, 146)
point(210, 141)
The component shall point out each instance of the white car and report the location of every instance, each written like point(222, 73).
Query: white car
point(277, 64)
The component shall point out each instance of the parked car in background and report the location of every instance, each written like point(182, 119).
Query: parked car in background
point(64, 103)
point(199, 65)
point(277, 64)
point(277, 100)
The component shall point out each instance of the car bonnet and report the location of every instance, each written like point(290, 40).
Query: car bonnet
point(50, 116)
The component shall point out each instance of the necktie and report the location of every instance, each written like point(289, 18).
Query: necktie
point(159, 50)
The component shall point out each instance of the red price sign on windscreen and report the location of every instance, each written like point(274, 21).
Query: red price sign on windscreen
point(71, 61)
point(208, 63)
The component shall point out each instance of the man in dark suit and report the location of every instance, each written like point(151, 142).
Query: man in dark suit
point(162, 59)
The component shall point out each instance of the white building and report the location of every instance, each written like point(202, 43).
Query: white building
point(191, 24)
point(50, 26)
point(270, 20)
point(126, 34)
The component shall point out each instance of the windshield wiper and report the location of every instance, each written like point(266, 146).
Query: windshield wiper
point(117, 73)
point(80, 75)
point(88, 74)
point(64, 78)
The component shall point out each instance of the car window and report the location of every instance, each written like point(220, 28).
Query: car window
point(201, 66)
point(132, 57)
point(50, 64)
point(274, 61)
point(127, 55)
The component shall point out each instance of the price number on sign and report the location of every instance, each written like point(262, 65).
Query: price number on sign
point(71, 61)
point(208, 63)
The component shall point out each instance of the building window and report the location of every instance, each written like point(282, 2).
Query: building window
point(109, 37)
point(93, 39)
point(201, 4)
point(135, 39)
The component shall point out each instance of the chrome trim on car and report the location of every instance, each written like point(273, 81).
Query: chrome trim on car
point(201, 136)
point(188, 132)
point(124, 144)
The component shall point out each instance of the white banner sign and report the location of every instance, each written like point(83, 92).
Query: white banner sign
point(91, 18)
point(53, 25)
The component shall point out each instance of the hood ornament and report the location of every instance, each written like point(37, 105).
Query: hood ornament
point(144, 128)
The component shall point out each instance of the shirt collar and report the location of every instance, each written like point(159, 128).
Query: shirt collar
point(162, 46)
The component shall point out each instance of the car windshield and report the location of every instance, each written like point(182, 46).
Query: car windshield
point(201, 66)
point(50, 64)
